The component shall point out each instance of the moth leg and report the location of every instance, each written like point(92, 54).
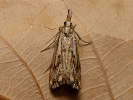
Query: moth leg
point(60, 29)
point(47, 46)
point(81, 38)
point(50, 43)
point(52, 38)
point(47, 69)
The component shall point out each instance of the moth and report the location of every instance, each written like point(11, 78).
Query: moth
point(65, 66)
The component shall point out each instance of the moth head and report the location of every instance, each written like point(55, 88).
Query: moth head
point(67, 24)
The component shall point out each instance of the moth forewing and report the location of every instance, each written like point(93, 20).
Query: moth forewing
point(65, 67)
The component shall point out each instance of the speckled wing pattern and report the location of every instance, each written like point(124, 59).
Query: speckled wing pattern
point(65, 66)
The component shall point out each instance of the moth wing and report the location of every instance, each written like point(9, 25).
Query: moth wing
point(53, 75)
point(56, 77)
point(76, 65)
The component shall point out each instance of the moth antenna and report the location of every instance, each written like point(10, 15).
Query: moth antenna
point(69, 15)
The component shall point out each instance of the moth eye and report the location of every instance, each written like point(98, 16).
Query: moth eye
point(64, 23)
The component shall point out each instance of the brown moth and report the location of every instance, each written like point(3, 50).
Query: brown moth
point(65, 67)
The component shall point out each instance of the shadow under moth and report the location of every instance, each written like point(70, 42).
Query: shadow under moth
point(65, 66)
